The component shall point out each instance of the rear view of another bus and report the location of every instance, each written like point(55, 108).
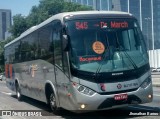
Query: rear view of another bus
point(109, 60)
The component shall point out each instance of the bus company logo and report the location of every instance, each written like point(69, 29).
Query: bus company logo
point(31, 69)
point(119, 86)
point(117, 74)
point(103, 87)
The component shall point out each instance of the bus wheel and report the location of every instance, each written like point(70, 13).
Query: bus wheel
point(52, 103)
point(18, 93)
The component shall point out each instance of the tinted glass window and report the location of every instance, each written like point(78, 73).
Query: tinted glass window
point(57, 44)
point(45, 50)
point(29, 47)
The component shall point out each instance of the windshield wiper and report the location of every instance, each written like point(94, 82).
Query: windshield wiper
point(100, 65)
point(103, 57)
point(105, 54)
point(127, 55)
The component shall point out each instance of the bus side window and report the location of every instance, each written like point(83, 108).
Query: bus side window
point(57, 44)
point(45, 42)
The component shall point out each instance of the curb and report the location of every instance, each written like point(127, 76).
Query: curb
point(156, 85)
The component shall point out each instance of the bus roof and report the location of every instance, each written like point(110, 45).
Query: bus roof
point(60, 17)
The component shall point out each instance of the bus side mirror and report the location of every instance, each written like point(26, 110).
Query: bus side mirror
point(65, 43)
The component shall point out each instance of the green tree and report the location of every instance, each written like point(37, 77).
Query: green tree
point(40, 13)
point(19, 25)
point(69, 7)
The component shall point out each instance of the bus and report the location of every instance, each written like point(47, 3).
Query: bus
point(81, 61)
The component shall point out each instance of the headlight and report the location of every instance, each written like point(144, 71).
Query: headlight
point(146, 82)
point(84, 90)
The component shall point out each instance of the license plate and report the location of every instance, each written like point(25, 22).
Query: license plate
point(121, 97)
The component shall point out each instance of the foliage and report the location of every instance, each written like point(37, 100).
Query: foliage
point(44, 10)
point(69, 7)
point(19, 25)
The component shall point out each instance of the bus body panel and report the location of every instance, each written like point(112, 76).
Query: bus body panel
point(32, 77)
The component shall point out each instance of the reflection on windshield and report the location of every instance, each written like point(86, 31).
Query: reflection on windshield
point(92, 47)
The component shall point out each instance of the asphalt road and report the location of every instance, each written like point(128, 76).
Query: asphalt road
point(9, 102)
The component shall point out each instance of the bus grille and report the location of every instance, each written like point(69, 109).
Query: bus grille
point(116, 92)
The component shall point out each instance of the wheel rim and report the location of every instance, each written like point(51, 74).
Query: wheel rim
point(18, 94)
point(52, 102)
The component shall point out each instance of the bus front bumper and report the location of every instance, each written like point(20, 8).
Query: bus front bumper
point(103, 102)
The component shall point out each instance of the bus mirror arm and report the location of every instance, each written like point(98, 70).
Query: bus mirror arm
point(65, 42)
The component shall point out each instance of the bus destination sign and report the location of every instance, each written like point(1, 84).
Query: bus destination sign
point(84, 25)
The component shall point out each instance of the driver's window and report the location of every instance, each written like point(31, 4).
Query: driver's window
point(126, 40)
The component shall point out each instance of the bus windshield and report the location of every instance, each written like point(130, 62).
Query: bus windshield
point(106, 45)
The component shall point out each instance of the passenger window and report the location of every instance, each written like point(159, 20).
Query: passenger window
point(45, 43)
point(57, 44)
point(29, 46)
point(13, 53)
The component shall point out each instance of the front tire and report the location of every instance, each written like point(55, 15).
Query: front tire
point(53, 103)
point(18, 92)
